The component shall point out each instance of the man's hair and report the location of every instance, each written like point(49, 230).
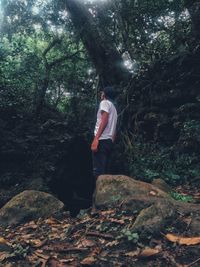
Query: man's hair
point(109, 92)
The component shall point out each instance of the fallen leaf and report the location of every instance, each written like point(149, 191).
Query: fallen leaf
point(107, 212)
point(187, 220)
point(30, 225)
point(112, 243)
point(66, 225)
point(85, 243)
point(148, 252)
point(116, 221)
point(88, 260)
point(2, 240)
point(133, 253)
point(40, 250)
point(4, 255)
point(67, 260)
point(52, 221)
point(40, 255)
point(153, 193)
point(36, 243)
point(183, 240)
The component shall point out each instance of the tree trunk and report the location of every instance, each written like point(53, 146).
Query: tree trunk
point(40, 98)
point(107, 60)
point(193, 7)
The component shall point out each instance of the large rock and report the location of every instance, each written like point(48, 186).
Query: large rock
point(162, 185)
point(115, 190)
point(155, 208)
point(154, 218)
point(29, 205)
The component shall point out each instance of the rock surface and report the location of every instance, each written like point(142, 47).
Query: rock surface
point(155, 208)
point(29, 205)
point(154, 218)
point(114, 190)
point(162, 185)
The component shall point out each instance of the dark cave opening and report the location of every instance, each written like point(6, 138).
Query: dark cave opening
point(73, 182)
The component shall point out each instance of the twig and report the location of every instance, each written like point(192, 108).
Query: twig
point(99, 235)
point(65, 249)
point(193, 262)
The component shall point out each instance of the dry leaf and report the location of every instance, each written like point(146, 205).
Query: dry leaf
point(112, 243)
point(148, 252)
point(107, 212)
point(30, 225)
point(2, 240)
point(183, 240)
point(86, 243)
point(153, 193)
point(88, 260)
point(40, 250)
point(187, 220)
point(116, 221)
point(133, 253)
point(40, 255)
point(67, 260)
point(37, 243)
point(52, 221)
point(4, 255)
point(66, 225)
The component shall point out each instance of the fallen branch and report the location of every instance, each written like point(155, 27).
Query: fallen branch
point(99, 235)
point(192, 263)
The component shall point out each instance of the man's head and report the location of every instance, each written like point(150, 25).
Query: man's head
point(108, 93)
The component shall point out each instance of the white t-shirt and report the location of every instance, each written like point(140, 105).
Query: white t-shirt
point(110, 129)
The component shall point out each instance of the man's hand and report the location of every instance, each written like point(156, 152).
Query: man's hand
point(94, 145)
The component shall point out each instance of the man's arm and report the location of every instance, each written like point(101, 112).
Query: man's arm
point(114, 137)
point(102, 126)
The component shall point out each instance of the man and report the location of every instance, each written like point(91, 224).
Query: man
point(104, 132)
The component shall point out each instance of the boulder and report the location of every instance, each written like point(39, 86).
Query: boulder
point(29, 205)
point(115, 190)
point(154, 218)
point(162, 185)
point(154, 208)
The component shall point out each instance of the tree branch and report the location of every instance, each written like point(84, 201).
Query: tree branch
point(51, 45)
point(61, 59)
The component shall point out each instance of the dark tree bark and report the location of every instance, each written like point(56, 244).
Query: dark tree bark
point(106, 58)
point(193, 7)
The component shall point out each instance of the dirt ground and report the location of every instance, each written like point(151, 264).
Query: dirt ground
point(99, 238)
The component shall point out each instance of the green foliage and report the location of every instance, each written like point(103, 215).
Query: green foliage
point(180, 197)
point(148, 161)
point(19, 251)
point(104, 227)
point(191, 129)
point(129, 235)
point(143, 31)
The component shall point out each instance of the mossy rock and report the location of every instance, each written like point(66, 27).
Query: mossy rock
point(113, 190)
point(154, 218)
point(162, 185)
point(29, 205)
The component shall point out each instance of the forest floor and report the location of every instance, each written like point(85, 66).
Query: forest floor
point(99, 238)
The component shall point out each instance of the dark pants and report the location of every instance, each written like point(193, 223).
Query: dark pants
point(101, 157)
